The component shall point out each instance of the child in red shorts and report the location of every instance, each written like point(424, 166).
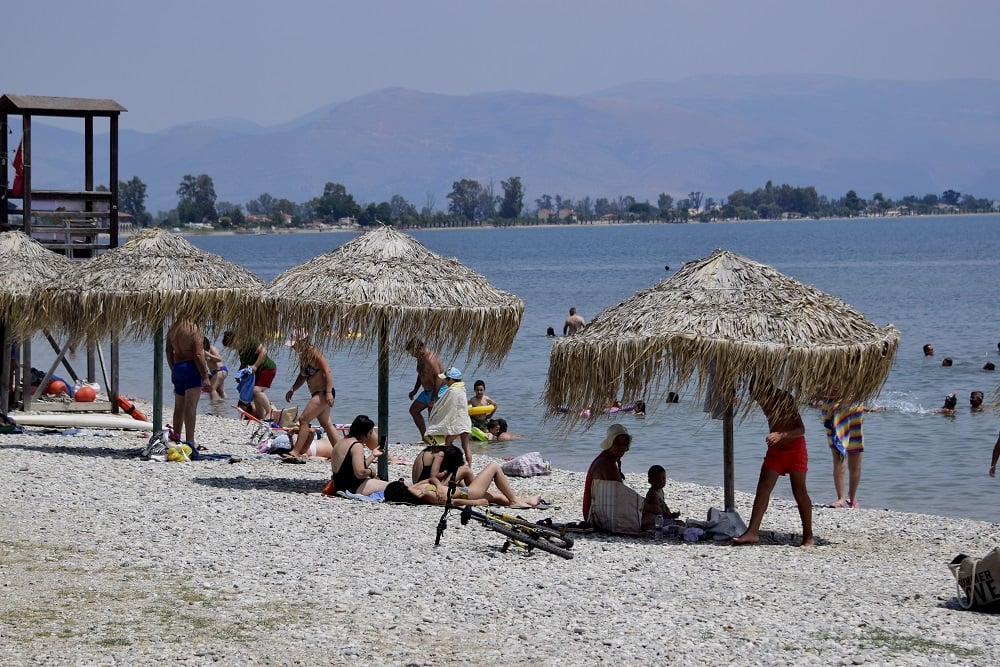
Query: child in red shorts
point(786, 454)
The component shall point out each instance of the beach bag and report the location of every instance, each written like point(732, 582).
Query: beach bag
point(286, 417)
point(274, 444)
point(978, 581)
point(615, 508)
point(723, 525)
point(719, 525)
point(525, 465)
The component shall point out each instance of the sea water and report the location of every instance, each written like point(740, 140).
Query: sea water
point(933, 278)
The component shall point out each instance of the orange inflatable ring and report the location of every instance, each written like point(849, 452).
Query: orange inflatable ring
point(127, 406)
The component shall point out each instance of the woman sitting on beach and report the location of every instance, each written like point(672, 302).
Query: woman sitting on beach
point(438, 462)
point(352, 470)
point(434, 492)
point(315, 372)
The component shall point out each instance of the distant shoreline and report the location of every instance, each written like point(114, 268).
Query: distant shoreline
point(597, 223)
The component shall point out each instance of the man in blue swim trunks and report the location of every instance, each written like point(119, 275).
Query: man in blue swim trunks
point(428, 384)
point(189, 374)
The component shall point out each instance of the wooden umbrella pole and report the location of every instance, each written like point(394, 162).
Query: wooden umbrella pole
point(158, 378)
point(6, 362)
point(383, 401)
point(728, 455)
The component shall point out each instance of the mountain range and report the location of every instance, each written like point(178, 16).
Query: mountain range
point(709, 134)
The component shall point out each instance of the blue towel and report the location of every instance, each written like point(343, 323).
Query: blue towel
point(245, 380)
point(376, 497)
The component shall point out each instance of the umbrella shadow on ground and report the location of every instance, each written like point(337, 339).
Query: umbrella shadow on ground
point(278, 484)
point(97, 450)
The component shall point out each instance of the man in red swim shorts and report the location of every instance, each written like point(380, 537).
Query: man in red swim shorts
point(786, 454)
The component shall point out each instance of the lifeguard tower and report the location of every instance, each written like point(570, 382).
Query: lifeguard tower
point(79, 223)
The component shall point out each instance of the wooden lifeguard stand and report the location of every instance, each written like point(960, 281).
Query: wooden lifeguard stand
point(77, 223)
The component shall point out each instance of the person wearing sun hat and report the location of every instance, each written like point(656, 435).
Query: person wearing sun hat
point(608, 464)
point(450, 415)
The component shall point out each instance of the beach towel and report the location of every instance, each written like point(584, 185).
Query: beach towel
point(245, 379)
point(615, 508)
point(450, 415)
point(842, 422)
point(376, 497)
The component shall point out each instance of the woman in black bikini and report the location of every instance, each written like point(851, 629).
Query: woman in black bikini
point(437, 462)
point(315, 372)
point(352, 470)
point(432, 470)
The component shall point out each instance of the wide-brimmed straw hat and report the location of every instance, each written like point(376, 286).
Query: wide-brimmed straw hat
point(614, 431)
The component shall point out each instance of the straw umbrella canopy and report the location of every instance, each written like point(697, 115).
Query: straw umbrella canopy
point(386, 286)
point(718, 323)
point(132, 290)
point(25, 266)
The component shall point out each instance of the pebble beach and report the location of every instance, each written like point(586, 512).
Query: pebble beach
point(237, 559)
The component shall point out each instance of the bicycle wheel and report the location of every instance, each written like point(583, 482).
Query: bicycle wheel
point(522, 538)
point(544, 532)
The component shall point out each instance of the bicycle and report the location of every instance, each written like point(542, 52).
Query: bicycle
point(519, 532)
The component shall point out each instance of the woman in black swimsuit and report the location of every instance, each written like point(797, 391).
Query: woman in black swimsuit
point(315, 372)
point(438, 462)
point(352, 470)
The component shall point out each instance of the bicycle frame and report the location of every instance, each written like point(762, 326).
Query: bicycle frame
point(517, 531)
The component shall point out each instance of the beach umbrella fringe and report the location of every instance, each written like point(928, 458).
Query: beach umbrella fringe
point(713, 327)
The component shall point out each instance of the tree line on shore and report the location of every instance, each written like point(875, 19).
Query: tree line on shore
point(471, 203)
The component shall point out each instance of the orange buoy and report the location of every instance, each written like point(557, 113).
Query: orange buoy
point(55, 387)
point(85, 394)
point(127, 406)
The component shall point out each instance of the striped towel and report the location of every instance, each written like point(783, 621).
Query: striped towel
point(843, 425)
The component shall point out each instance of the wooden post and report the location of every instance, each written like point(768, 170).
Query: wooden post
point(158, 378)
point(5, 388)
point(383, 400)
point(728, 454)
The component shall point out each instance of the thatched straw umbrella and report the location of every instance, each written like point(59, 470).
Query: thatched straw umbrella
point(387, 286)
point(134, 289)
point(25, 266)
point(722, 320)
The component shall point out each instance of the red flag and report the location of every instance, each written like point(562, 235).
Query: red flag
point(17, 189)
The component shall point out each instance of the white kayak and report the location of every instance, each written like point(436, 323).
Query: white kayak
point(81, 420)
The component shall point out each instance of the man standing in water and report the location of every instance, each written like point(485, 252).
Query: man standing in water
point(429, 368)
point(573, 323)
point(189, 374)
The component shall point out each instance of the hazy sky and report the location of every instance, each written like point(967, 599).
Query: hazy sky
point(269, 62)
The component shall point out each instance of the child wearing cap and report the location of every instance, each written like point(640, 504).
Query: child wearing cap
point(450, 415)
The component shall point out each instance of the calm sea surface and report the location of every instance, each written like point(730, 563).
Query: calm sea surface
point(935, 279)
